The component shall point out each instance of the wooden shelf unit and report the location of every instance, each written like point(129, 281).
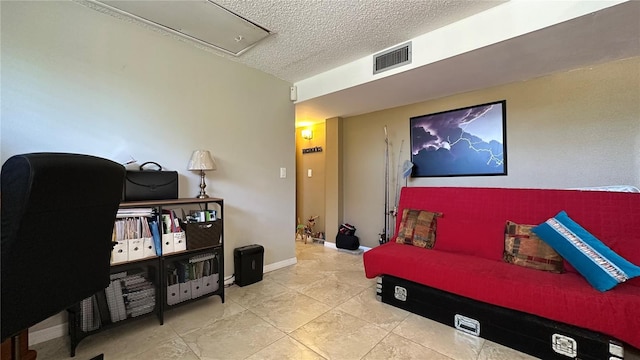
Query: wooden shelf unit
point(156, 268)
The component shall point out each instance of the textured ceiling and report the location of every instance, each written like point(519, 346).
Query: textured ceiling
point(310, 37)
point(603, 36)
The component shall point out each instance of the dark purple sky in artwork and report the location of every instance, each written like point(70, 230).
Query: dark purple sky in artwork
point(440, 130)
point(462, 142)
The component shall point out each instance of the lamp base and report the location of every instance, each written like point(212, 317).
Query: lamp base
point(203, 194)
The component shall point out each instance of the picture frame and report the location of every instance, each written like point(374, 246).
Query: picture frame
point(469, 141)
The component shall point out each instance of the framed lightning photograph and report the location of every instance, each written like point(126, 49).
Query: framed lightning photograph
point(469, 141)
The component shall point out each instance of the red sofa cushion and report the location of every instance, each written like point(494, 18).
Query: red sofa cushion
point(566, 297)
point(479, 214)
point(467, 257)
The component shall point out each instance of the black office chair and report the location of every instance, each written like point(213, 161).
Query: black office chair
point(58, 212)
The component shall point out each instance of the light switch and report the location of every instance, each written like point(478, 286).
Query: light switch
point(309, 172)
point(283, 173)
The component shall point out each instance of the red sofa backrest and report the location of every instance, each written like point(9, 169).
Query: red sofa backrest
point(474, 219)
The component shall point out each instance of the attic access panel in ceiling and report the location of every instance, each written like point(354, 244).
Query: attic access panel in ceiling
point(203, 21)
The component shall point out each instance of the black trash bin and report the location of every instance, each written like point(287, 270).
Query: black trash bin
point(248, 262)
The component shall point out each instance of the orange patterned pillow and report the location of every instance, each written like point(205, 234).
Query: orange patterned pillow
point(418, 228)
point(523, 247)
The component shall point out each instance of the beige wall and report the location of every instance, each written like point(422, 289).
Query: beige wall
point(311, 190)
point(574, 129)
point(333, 178)
point(77, 80)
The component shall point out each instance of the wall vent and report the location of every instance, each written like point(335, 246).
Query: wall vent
point(392, 58)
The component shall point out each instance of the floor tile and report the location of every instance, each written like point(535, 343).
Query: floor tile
point(352, 277)
point(294, 277)
point(394, 347)
point(331, 291)
point(493, 351)
point(366, 307)
point(343, 262)
point(323, 307)
point(234, 337)
point(255, 293)
point(310, 266)
point(303, 255)
point(172, 349)
point(338, 335)
point(441, 338)
point(199, 314)
point(286, 349)
point(128, 340)
point(290, 310)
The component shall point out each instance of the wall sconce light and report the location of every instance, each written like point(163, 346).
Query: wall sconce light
point(307, 134)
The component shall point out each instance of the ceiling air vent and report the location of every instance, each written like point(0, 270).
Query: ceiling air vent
point(392, 58)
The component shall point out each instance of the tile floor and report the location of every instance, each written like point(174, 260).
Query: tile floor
point(321, 308)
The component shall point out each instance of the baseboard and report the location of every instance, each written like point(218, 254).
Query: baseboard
point(47, 334)
point(280, 264)
point(229, 280)
point(60, 330)
point(333, 246)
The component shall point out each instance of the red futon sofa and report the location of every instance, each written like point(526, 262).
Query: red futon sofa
point(463, 281)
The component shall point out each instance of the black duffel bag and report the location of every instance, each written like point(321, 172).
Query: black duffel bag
point(150, 184)
point(348, 242)
point(347, 229)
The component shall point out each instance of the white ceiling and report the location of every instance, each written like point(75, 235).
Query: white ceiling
point(607, 35)
point(313, 37)
point(310, 37)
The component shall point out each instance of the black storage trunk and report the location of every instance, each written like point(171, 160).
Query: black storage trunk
point(534, 335)
point(248, 262)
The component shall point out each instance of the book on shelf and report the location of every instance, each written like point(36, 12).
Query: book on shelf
point(129, 294)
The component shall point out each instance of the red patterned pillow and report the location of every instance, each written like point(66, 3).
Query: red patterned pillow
point(418, 228)
point(522, 247)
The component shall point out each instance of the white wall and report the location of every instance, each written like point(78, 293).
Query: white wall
point(574, 129)
point(76, 80)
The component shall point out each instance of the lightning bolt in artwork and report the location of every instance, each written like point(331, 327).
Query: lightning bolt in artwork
point(493, 159)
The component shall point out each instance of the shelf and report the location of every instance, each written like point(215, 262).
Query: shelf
point(164, 203)
point(156, 269)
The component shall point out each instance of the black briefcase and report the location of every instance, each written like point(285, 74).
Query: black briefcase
point(150, 184)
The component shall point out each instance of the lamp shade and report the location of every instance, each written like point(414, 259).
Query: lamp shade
point(202, 160)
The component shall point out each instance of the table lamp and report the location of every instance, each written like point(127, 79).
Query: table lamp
point(203, 161)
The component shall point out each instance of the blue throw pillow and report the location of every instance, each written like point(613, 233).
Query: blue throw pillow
point(601, 266)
